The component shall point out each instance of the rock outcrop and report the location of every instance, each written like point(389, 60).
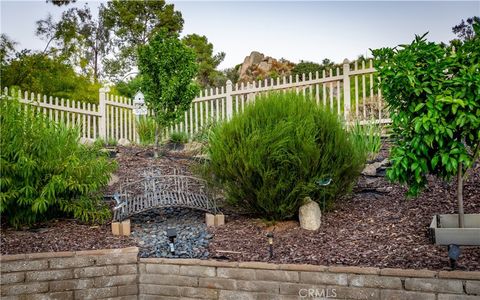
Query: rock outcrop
point(257, 66)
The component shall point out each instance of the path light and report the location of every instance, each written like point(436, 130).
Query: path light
point(323, 183)
point(453, 253)
point(270, 243)
point(172, 235)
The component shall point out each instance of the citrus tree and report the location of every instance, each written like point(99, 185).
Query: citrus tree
point(433, 94)
point(167, 67)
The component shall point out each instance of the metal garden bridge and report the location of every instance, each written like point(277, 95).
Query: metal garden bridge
point(159, 191)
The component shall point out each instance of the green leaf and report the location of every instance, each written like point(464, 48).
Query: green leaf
point(419, 106)
point(434, 161)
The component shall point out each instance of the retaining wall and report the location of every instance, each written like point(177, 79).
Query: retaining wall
point(71, 275)
point(118, 274)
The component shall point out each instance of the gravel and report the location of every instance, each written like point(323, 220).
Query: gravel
point(149, 230)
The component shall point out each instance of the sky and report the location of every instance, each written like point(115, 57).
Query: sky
point(296, 31)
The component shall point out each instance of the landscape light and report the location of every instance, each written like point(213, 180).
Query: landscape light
point(270, 243)
point(172, 234)
point(323, 183)
point(453, 253)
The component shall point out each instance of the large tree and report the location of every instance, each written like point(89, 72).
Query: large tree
point(206, 60)
point(78, 38)
point(133, 23)
point(167, 68)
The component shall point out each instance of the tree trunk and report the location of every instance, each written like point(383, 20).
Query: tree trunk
point(157, 132)
point(95, 67)
point(461, 216)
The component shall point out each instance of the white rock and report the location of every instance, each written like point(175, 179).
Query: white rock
point(310, 215)
point(86, 141)
point(113, 179)
point(123, 142)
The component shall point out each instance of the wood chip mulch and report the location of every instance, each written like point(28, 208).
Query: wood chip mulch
point(367, 229)
point(60, 235)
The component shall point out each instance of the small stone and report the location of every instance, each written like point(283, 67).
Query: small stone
point(310, 215)
point(123, 142)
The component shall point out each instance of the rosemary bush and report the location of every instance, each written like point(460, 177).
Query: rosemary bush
point(270, 157)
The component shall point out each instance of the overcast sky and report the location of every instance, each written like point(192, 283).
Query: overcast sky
point(296, 31)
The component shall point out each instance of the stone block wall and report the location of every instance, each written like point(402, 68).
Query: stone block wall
point(119, 274)
point(71, 275)
point(190, 278)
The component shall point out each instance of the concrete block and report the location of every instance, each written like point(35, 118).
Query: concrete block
point(209, 219)
point(116, 228)
point(125, 227)
point(405, 295)
point(434, 285)
point(219, 220)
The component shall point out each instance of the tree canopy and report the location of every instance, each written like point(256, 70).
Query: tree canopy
point(168, 68)
point(206, 60)
point(38, 73)
point(132, 24)
point(77, 38)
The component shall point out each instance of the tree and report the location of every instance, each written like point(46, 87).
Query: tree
point(61, 2)
point(129, 88)
point(7, 48)
point(38, 73)
point(306, 67)
point(133, 23)
point(433, 95)
point(168, 68)
point(465, 31)
point(206, 60)
point(78, 38)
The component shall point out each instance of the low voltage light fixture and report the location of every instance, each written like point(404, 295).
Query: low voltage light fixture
point(172, 235)
point(453, 254)
point(324, 183)
point(270, 243)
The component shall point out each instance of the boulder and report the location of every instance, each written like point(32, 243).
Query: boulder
point(123, 142)
point(310, 215)
point(113, 179)
point(373, 168)
point(86, 141)
point(258, 66)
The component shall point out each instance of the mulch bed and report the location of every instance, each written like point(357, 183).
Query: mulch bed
point(365, 229)
point(60, 235)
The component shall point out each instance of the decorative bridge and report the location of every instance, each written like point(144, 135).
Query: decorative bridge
point(157, 191)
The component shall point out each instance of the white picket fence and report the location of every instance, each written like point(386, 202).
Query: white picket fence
point(349, 91)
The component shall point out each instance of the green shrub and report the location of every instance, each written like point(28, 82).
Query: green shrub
point(202, 135)
point(178, 137)
point(45, 171)
point(367, 137)
point(100, 143)
point(146, 130)
point(270, 157)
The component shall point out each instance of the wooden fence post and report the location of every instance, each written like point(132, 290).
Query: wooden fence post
point(229, 99)
point(346, 89)
point(102, 119)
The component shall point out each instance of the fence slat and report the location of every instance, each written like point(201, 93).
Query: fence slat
point(112, 118)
